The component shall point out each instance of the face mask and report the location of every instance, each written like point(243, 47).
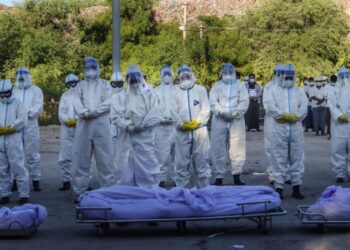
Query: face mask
point(228, 78)
point(21, 83)
point(251, 80)
point(167, 79)
point(319, 85)
point(186, 84)
point(306, 83)
point(288, 84)
point(312, 84)
point(91, 73)
point(332, 83)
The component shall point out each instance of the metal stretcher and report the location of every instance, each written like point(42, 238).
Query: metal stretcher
point(263, 219)
point(319, 220)
point(23, 232)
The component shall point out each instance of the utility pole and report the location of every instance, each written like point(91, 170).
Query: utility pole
point(183, 27)
point(116, 35)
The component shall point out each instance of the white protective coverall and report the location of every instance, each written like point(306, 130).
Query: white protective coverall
point(136, 114)
point(67, 112)
point(229, 102)
point(339, 105)
point(32, 98)
point(12, 114)
point(287, 144)
point(93, 133)
point(268, 120)
point(191, 147)
point(165, 132)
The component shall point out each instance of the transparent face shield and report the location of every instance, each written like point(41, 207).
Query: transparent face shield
point(228, 74)
point(22, 78)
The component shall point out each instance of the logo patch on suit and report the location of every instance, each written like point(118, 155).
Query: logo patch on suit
point(195, 103)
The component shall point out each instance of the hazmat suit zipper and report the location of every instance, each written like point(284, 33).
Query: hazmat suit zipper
point(5, 122)
point(191, 133)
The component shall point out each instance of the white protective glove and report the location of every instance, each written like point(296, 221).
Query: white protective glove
point(235, 114)
point(166, 121)
point(130, 129)
point(226, 115)
point(30, 114)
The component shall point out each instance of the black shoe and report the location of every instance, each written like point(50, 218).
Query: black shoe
point(23, 200)
point(4, 200)
point(172, 184)
point(162, 184)
point(280, 192)
point(89, 188)
point(339, 180)
point(288, 182)
point(66, 186)
point(14, 186)
point(272, 183)
point(36, 186)
point(237, 180)
point(323, 133)
point(218, 182)
point(296, 193)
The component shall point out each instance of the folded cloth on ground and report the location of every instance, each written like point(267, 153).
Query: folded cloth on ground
point(128, 203)
point(334, 204)
point(22, 217)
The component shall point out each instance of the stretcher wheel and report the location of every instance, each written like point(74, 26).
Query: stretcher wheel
point(181, 227)
point(103, 228)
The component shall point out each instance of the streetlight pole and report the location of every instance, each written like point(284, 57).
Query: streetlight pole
point(116, 35)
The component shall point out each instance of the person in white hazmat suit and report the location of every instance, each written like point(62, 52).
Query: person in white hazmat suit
point(229, 101)
point(68, 118)
point(288, 107)
point(117, 84)
point(192, 140)
point(93, 132)
point(13, 119)
point(165, 132)
point(136, 114)
point(268, 121)
point(32, 98)
point(339, 105)
point(118, 135)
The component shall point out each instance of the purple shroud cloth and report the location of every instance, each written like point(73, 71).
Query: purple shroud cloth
point(334, 204)
point(28, 215)
point(129, 203)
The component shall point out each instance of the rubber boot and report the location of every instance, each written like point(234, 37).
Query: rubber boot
point(14, 186)
point(280, 192)
point(237, 180)
point(296, 193)
point(218, 182)
point(36, 186)
point(339, 180)
point(4, 200)
point(23, 200)
point(66, 186)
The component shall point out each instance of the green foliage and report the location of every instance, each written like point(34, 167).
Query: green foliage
point(310, 34)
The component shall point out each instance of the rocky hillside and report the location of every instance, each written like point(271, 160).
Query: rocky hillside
point(167, 10)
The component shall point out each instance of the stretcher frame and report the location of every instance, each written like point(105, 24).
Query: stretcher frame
point(263, 219)
point(320, 222)
point(23, 232)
